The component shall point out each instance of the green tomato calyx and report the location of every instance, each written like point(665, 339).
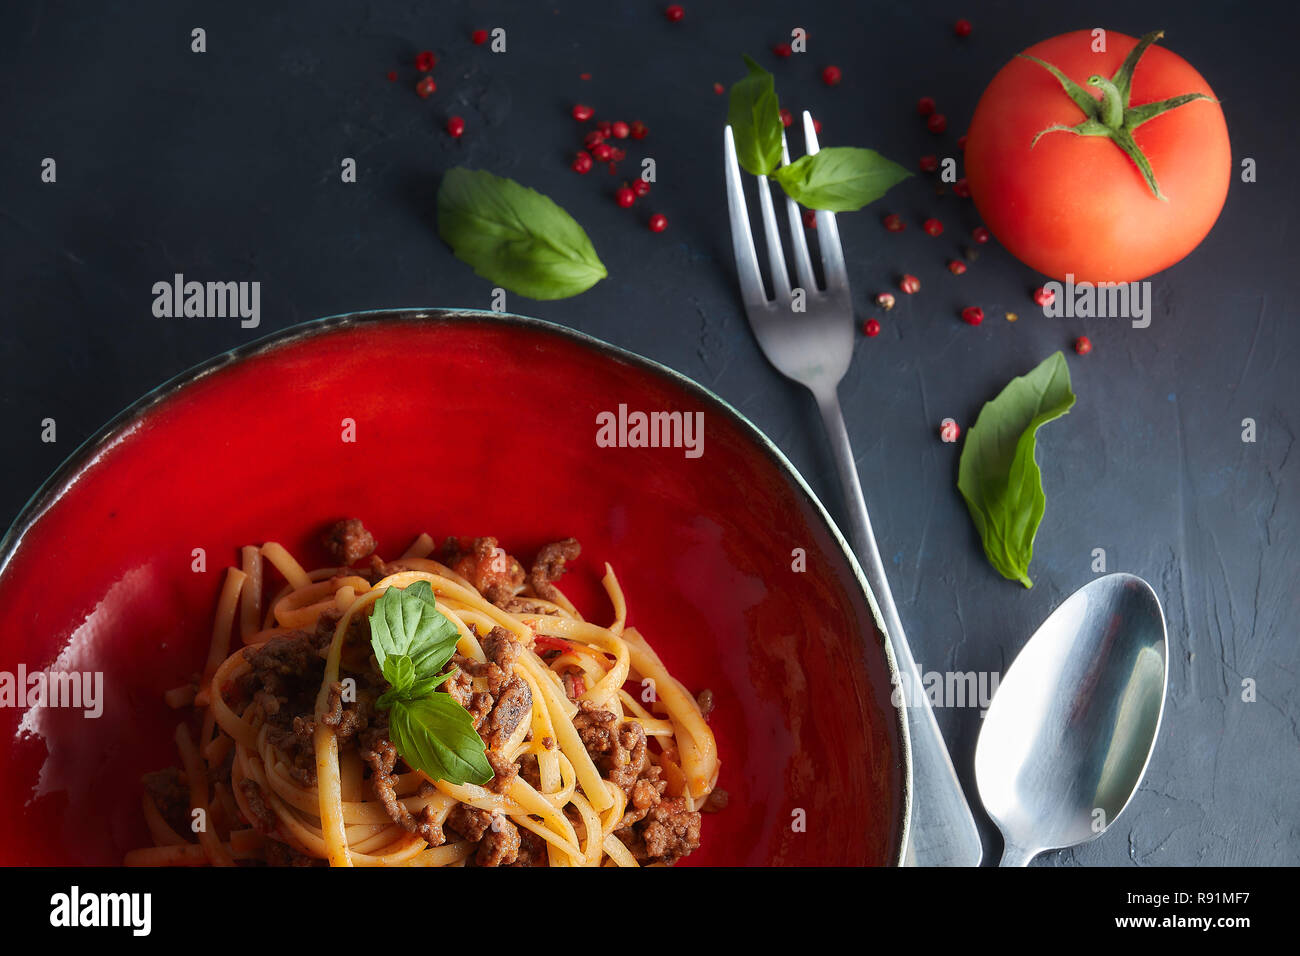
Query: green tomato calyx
point(1112, 116)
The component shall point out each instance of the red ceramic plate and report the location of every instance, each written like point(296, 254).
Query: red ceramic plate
point(466, 423)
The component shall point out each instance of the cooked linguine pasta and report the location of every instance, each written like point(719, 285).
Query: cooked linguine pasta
point(599, 756)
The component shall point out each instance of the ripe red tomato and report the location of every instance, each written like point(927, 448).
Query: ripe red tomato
point(1078, 204)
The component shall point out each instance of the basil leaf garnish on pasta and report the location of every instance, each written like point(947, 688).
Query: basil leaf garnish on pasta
point(436, 735)
point(399, 671)
point(407, 623)
point(412, 640)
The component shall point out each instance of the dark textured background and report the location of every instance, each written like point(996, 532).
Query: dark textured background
point(225, 166)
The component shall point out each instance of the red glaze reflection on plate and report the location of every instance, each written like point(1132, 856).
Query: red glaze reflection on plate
point(467, 425)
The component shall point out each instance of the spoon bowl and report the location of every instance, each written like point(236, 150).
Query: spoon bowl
point(1074, 721)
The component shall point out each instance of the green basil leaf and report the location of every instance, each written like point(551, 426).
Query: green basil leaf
point(436, 735)
point(426, 686)
point(839, 178)
point(998, 475)
point(399, 671)
point(755, 118)
point(514, 236)
point(412, 640)
point(407, 622)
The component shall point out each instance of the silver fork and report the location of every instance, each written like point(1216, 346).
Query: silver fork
point(813, 348)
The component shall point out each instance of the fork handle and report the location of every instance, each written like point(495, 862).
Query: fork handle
point(942, 831)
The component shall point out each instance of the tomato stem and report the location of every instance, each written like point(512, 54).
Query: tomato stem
point(1113, 117)
point(1112, 104)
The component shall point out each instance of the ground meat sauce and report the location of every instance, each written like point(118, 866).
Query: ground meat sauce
point(529, 772)
point(655, 828)
point(497, 575)
point(716, 801)
point(171, 796)
point(469, 822)
point(504, 772)
point(348, 542)
point(523, 605)
point(511, 708)
point(264, 819)
point(382, 758)
point(704, 700)
point(358, 635)
point(500, 844)
point(668, 832)
point(284, 677)
point(549, 566)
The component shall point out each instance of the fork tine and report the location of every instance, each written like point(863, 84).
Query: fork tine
point(742, 240)
point(802, 261)
point(772, 237)
point(828, 234)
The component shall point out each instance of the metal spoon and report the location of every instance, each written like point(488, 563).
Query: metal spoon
point(1070, 730)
